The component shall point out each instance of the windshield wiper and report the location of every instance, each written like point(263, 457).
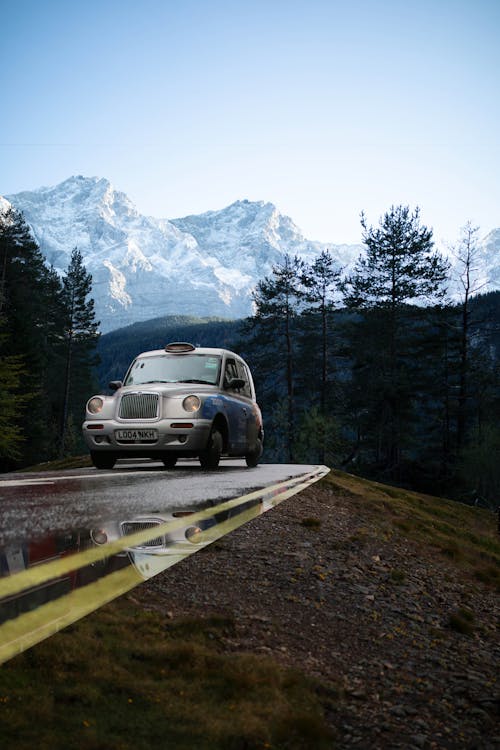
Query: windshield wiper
point(151, 382)
point(196, 380)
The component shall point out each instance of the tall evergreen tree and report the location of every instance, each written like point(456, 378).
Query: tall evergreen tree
point(278, 299)
point(55, 342)
point(12, 403)
point(321, 282)
point(400, 270)
point(81, 335)
point(24, 298)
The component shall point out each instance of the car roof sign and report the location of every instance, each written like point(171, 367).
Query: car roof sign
point(179, 347)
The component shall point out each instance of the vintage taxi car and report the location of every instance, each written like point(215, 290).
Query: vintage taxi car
point(181, 401)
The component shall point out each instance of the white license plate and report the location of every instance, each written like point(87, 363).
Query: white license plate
point(136, 436)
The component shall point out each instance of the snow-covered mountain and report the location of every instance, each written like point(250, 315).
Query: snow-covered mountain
point(144, 267)
point(204, 265)
point(490, 260)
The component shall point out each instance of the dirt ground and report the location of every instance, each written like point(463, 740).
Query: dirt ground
point(404, 643)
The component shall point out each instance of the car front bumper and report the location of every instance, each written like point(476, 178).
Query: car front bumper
point(161, 436)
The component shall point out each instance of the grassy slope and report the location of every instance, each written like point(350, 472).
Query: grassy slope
point(126, 679)
point(467, 535)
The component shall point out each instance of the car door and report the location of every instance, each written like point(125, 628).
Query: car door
point(253, 414)
point(238, 409)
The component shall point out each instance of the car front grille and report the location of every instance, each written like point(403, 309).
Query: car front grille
point(131, 527)
point(139, 406)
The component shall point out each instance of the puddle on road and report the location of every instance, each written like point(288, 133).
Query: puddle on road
point(49, 583)
point(46, 584)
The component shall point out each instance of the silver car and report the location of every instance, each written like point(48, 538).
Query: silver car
point(177, 401)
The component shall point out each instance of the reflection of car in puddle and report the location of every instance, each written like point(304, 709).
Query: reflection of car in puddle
point(111, 531)
point(180, 533)
point(156, 554)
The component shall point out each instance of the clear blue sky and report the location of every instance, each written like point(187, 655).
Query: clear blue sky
point(323, 108)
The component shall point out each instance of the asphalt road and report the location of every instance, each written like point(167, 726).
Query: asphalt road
point(36, 505)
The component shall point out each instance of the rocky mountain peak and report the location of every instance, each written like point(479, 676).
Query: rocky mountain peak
point(202, 265)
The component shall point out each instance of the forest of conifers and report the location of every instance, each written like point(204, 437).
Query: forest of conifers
point(48, 338)
point(377, 373)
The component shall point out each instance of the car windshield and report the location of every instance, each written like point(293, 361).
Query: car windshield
point(175, 368)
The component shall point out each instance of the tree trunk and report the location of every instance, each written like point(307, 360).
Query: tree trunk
point(64, 417)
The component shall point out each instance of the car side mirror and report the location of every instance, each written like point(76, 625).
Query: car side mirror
point(235, 384)
point(115, 385)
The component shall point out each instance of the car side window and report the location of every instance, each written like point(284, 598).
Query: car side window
point(243, 374)
point(236, 369)
point(230, 371)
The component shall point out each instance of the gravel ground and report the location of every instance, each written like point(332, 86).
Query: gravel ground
point(368, 613)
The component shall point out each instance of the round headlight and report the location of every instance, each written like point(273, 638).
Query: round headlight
point(95, 405)
point(192, 534)
point(191, 403)
point(99, 536)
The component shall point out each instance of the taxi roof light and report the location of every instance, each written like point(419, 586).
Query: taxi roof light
point(180, 347)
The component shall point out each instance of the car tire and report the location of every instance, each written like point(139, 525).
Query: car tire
point(169, 461)
point(210, 457)
point(103, 460)
point(252, 458)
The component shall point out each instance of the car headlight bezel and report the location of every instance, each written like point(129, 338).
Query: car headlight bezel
point(191, 404)
point(95, 405)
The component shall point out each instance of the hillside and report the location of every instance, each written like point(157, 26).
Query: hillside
point(385, 601)
point(389, 598)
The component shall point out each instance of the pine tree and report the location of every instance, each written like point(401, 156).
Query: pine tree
point(322, 281)
point(24, 299)
point(278, 299)
point(80, 340)
point(55, 342)
point(399, 272)
point(12, 403)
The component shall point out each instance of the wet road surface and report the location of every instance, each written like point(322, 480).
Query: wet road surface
point(73, 541)
point(33, 505)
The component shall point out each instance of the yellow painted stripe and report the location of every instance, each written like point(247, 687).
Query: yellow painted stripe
point(32, 627)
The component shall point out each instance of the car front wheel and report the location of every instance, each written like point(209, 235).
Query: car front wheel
point(169, 461)
point(210, 457)
point(103, 460)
